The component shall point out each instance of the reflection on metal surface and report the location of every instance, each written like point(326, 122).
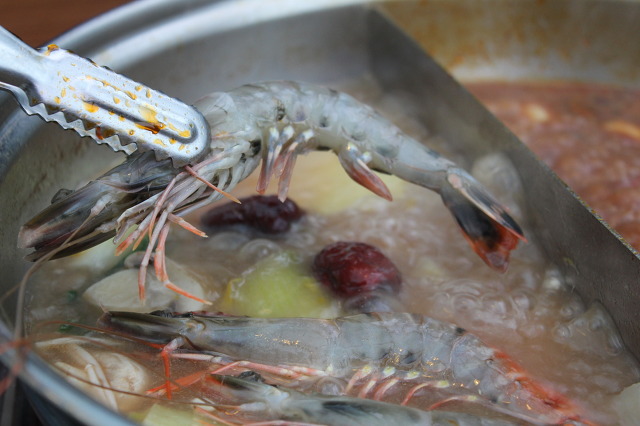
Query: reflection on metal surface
point(527, 39)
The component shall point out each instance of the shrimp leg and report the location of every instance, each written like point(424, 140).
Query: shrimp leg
point(287, 404)
point(411, 350)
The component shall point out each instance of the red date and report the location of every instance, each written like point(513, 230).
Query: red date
point(350, 268)
point(263, 213)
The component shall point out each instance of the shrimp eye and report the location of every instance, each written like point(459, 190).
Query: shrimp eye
point(256, 145)
point(280, 113)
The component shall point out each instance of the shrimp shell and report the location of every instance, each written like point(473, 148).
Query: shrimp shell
point(401, 347)
point(287, 404)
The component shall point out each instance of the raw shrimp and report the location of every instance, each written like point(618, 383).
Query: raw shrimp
point(273, 121)
point(283, 403)
point(382, 350)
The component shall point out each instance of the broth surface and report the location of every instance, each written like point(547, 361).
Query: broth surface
point(528, 312)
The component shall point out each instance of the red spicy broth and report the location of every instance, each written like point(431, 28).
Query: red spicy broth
point(588, 134)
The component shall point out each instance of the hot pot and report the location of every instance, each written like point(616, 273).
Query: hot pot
point(192, 47)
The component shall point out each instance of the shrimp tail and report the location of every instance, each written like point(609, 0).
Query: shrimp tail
point(489, 229)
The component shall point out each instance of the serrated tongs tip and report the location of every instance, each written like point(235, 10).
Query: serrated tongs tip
point(102, 104)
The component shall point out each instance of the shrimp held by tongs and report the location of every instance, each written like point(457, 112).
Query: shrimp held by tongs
point(275, 122)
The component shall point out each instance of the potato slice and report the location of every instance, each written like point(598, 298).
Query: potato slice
point(98, 259)
point(160, 415)
point(277, 286)
point(119, 291)
point(333, 190)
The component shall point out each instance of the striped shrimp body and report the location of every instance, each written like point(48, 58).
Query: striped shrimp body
point(382, 350)
point(273, 122)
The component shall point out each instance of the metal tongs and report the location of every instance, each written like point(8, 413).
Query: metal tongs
point(94, 101)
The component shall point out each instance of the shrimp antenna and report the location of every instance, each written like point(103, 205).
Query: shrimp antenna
point(21, 287)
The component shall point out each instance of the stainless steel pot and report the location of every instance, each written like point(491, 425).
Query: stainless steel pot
point(192, 47)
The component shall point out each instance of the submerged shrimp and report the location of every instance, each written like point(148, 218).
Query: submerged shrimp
point(275, 122)
point(281, 403)
point(373, 352)
point(103, 368)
